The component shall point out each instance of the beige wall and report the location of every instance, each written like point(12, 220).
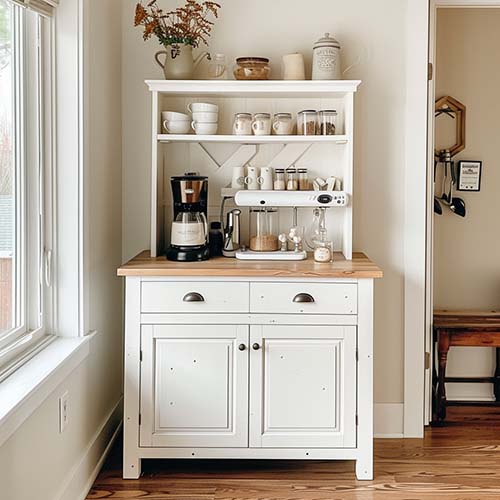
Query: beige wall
point(37, 461)
point(467, 268)
point(375, 31)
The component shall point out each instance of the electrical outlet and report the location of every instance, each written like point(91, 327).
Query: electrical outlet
point(63, 412)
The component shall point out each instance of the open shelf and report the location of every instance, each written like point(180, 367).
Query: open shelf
point(245, 88)
point(254, 139)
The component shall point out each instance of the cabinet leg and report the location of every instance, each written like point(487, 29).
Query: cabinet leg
point(131, 467)
point(364, 469)
point(443, 349)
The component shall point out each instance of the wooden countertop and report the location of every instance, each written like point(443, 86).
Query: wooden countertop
point(359, 267)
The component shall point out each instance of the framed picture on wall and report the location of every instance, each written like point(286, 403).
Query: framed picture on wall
point(469, 175)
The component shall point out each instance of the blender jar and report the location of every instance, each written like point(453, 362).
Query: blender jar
point(264, 230)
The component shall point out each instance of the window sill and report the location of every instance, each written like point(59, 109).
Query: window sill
point(28, 387)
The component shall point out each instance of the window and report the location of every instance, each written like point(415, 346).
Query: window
point(25, 181)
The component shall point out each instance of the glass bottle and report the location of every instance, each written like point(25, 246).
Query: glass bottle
point(217, 68)
point(279, 179)
point(303, 179)
point(264, 230)
point(292, 183)
point(317, 232)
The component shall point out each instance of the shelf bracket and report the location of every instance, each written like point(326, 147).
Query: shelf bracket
point(289, 155)
point(239, 158)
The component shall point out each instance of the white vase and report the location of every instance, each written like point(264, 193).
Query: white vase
point(178, 63)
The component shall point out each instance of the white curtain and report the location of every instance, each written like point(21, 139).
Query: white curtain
point(44, 7)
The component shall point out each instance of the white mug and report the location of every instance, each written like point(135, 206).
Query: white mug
point(266, 179)
point(238, 181)
point(176, 127)
point(196, 107)
point(252, 178)
point(205, 117)
point(204, 128)
point(261, 124)
point(173, 116)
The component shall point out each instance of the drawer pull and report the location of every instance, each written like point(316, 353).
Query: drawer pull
point(193, 297)
point(302, 298)
point(256, 347)
point(242, 347)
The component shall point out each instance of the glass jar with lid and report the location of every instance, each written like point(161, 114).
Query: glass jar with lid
point(307, 122)
point(327, 122)
point(292, 182)
point(252, 68)
point(264, 230)
point(303, 179)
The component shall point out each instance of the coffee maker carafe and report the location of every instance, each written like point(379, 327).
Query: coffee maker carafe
point(189, 232)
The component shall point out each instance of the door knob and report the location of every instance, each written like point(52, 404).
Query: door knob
point(193, 297)
point(256, 347)
point(302, 298)
point(242, 347)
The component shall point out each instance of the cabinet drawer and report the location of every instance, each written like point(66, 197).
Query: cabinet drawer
point(193, 297)
point(304, 298)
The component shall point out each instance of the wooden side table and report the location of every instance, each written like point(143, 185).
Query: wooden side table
point(465, 329)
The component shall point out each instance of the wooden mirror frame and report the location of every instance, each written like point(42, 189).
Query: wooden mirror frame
point(448, 102)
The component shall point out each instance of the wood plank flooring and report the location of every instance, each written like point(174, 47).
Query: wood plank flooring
point(458, 462)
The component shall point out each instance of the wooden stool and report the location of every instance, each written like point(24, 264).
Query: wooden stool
point(465, 329)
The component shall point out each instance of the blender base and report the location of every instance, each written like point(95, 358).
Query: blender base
point(278, 255)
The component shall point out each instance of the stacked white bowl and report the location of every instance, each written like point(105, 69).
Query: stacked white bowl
point(205, 118)
point(176, 123)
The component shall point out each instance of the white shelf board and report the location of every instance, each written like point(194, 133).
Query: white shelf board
point(261, 88)
point(254, 139)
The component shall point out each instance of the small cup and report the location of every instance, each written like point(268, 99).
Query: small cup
point(242, 124)
point(205, 117)
point(196, 107)
point(252, 178)
point(202, 128)
point(266, 179)
point(261, 124)
point(282, 124)
point(176, 127)
point(238, 181)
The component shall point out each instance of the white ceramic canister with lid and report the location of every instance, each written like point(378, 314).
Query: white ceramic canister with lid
point(326, 59)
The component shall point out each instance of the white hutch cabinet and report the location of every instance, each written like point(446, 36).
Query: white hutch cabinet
point(229, 359)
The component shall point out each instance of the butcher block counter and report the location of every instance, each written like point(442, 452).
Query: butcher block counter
point(229, 359)
point(360, 267)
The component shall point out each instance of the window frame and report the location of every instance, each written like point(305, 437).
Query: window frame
point(33, 59)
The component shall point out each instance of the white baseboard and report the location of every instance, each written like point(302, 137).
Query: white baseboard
point(388, 420)
point(84, 473)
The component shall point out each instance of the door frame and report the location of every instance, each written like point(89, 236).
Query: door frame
point(418, 286)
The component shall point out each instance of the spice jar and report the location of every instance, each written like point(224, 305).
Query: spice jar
point(242, 124)
point(282, 123)
point(324, 252)
point(252, 68)
point(279, 179)
point(327, 122)
point(303, 179)
point(264, 230)
point(307, 122)
point(292, 183)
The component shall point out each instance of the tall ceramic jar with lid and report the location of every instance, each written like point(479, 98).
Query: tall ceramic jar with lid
point(326, 59)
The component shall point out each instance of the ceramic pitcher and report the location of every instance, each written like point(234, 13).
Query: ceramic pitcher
point(179, 63)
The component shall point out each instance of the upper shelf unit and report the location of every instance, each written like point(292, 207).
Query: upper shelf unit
point(267, 88)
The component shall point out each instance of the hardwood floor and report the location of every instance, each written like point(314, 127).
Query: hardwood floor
point(458, 462)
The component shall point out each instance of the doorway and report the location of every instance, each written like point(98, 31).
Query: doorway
point(465, 273)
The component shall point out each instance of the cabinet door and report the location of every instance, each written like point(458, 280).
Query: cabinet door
point(194, 386)
point(303, 386)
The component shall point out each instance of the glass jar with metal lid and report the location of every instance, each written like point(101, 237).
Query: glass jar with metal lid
point(327, 122)
point(307, 122)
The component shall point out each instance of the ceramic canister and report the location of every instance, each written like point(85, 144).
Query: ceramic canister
point(326, 59)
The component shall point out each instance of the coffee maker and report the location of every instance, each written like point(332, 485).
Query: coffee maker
point(189, 231)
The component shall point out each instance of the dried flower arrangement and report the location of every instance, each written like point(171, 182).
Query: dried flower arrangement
point(188, 25)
